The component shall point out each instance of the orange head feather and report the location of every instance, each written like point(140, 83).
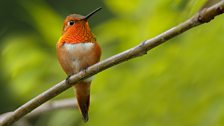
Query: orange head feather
point(76, 29)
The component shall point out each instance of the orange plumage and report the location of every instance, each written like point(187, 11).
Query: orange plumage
point(76, 50)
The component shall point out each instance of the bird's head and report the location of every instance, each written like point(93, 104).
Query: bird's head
point(76, 28)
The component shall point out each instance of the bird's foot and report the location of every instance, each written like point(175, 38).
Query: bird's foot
point(84, 69)
point(67, 80)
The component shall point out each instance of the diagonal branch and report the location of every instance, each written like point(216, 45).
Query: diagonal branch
point(203, 16)
point(69, 103)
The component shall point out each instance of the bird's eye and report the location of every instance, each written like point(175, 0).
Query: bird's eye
point(71, 22)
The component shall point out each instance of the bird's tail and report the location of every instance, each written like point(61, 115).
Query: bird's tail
point(83, 98)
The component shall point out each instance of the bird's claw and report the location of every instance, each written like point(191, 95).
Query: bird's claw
point(67, 80)
point(84, 69)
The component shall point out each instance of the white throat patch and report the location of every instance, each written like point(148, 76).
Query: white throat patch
point(83, 46)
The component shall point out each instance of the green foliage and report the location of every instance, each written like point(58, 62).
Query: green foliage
point(177, 83)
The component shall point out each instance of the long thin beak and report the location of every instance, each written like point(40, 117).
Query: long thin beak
point(92, 13)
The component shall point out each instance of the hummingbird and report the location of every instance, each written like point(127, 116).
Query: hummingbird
point(78, 49)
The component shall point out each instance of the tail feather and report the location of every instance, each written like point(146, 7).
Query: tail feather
point(83, 98)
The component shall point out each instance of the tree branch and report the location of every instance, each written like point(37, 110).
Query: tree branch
point(49, 106)
point(203, 16)
point(53, 105)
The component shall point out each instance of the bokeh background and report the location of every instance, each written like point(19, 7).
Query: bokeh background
point(180, 83)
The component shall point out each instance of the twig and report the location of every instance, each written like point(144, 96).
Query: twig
point(70, 103)
point(203, 16)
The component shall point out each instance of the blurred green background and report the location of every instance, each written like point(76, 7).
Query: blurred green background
point(180, 83)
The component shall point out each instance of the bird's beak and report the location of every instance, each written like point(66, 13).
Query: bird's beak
point(92, 13)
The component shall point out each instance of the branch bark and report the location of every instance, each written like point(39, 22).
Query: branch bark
point(69, 103)
point(204, 16)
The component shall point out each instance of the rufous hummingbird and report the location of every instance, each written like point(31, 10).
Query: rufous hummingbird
point(77, 49)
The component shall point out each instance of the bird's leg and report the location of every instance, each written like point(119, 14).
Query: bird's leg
point(67, 80)
point(84, 69)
